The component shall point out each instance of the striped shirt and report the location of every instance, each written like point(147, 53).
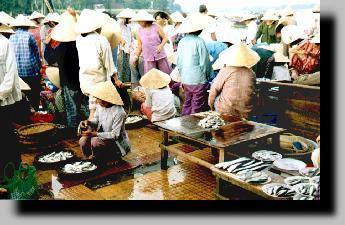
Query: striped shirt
point(26, 52)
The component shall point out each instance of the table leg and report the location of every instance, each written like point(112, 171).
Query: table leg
point(276, 141)
point(221, 155)
point(164, 153)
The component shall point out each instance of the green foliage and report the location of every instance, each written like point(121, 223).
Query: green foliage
point(15, 7)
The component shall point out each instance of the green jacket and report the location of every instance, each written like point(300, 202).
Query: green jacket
point(268, 33)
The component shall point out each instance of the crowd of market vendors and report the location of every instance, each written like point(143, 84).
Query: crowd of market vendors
point(177, 65)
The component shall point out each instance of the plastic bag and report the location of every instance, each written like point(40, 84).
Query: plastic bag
point(23, 184)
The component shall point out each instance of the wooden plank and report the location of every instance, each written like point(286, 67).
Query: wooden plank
point(164, 153)
point(257, 189)
point(178, 152)
point(290, 85)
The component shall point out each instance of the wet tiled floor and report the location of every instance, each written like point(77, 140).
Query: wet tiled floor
point(183, 181)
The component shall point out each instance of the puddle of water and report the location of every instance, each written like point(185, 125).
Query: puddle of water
point(132, 174)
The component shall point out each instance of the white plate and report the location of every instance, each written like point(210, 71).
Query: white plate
point(265, 155)
point(266, 187)
point(289, 164)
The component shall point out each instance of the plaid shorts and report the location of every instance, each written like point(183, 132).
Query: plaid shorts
point(92, 102)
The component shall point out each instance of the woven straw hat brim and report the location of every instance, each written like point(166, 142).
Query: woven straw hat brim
point(269, 17)
point(112, 31)
point(5, 18)
point(6, 29)
point(65, 30)
point(238, 56)
point(247, 17)
point(175, 75)
point(36, 15)
point(126, 13)
point(89, 21)
point(54, 76)
point(193, 23)
point(52, 17)
point(155, 79)
point(316, 8)
point(278, 57)
point(177, 17)
point(22, 21)
point(291, 33)
point(106, 91)
point(23, 86)
point(142, 15)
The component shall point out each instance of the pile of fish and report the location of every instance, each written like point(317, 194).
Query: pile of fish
point(243, 164)
point(279, 190)
point(303, 197)
point(254, 177)
point(55, 157)
point(265, 155)
point(79, 167)
point(294, 180)
point(307, 189)
point(133, 119)
point(310, 172)
point(211, 121)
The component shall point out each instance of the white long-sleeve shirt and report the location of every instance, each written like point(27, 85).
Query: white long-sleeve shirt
point(110, 124)
point(9, 80)
point(95, 60)
point(251, 31)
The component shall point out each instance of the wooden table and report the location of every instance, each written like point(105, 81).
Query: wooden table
point(226, 177)
point(187, 127)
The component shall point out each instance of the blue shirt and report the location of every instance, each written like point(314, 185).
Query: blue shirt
point(27, 55)
point(215, 48)
point(193, 61)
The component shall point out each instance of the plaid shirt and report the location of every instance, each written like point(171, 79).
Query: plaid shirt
point(27, 55)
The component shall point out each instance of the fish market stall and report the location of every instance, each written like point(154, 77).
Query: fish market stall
point(282, 179)
point(221, 138)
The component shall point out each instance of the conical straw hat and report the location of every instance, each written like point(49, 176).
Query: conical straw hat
point(155, 79)
point(22, 21)
point(51, 17)
point(175, 75)
point(112, 31)
point(288, 12)
point(237, 55)
point(23, 86)
point(36, 15)
point(248, 17)
point(278, 57)
point(53, 75)
point(6, 29)
point(126, 13)
point(143, 15)
point(65, 30)
point(177, 17)
point(270, 16)
point(292, 33)
point(316, 39)
point(88, 21)
point(194, 22)
point(5, 18)
point(106, 91)
point(316, 8)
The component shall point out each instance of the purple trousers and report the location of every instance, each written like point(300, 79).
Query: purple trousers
point(162, 65)
point(196, 98)
point(101, 149)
